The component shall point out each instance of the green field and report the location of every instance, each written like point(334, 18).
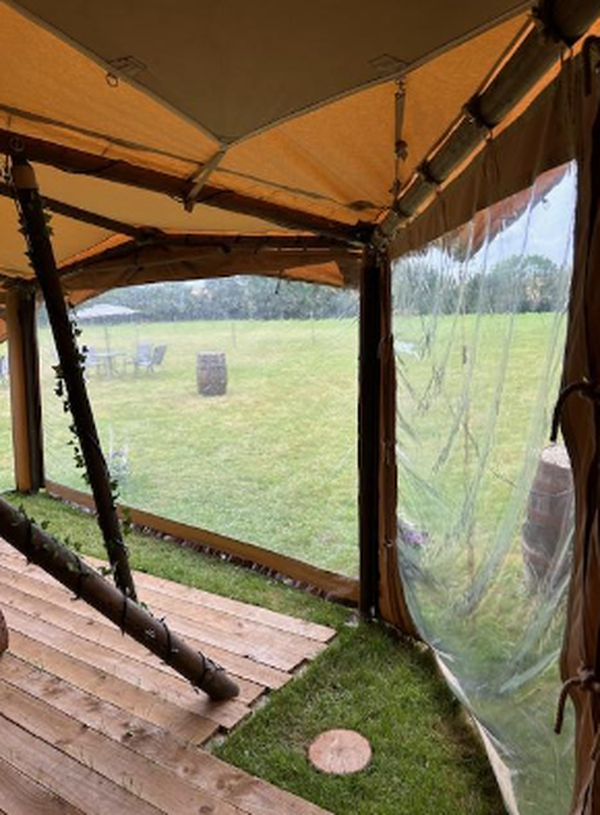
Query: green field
point(274, 462)
point(475, 411)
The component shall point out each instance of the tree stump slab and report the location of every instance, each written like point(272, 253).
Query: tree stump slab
point(340, 752)
point(3, 634)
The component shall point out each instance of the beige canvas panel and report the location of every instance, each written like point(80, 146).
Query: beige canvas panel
point(542, 138)
point(235, 67)
point(107, 151)
point(206, 264)
point(343, 153)
point(43, 76)
point(69, 238)
point(142, 208)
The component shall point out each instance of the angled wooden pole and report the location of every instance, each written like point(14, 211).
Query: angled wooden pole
point(25, 398)
point(86, 583)
point(36, 231)
point(3, 634)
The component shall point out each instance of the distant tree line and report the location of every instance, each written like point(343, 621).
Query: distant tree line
point(530, 283)
point(235, 298)
point(522, 284)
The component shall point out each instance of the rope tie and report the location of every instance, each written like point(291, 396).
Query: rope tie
point(585, 680)
point(168, 643)
point(81, 573)
point(585, 388)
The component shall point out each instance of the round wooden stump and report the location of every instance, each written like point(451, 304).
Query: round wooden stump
point(340, 752)
point(3, 634)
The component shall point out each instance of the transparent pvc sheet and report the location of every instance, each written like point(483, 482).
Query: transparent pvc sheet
point(485, 504)
point(245, 427)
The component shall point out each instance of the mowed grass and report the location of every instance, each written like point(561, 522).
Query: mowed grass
point(273, 462)
point(475, 414)
point(425, 757)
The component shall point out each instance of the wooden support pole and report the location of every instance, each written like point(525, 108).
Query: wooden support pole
point(369, 432)
point(86, 583)
point(26, 406)
point(3, 634)
point(42, 259)
point(121, 172)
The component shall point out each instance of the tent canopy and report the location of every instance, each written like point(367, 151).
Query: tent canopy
point(229, 137)
point(105, 311)
point(233, 119)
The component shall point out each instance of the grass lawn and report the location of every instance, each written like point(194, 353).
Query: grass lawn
point(274, 463)
point(425, 758)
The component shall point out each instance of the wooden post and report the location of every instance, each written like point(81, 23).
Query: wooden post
point(3, 634)
point(369, 432)
point(86, 583)
point(26, 406)
point(36, 231)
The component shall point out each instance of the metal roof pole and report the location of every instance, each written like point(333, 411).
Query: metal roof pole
point(558, 26)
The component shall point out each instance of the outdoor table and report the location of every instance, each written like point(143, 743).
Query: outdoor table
point(109, 358)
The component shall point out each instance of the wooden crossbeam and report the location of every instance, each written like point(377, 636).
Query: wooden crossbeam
point(122, 172)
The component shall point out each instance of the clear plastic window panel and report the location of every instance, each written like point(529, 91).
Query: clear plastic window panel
point(485, 500)
point(226, 404)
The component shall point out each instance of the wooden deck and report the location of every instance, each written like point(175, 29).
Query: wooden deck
point(92, 723)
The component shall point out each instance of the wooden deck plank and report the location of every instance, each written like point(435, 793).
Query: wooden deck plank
point(36, 582)
point(20, 795)
point(30, 598)
point(110, 759)
point(244, 611)
point(199, 597)
point(255, 633)
point(78, 785)
point(199, 769)
point(260, 648)
point(227, 714)
point(95, 725)
point(184, 724)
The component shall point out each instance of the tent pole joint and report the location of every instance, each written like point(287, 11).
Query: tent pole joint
point(546, 23)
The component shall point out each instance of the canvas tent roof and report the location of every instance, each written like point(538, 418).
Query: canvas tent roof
point(293, 106)
point(253, 126)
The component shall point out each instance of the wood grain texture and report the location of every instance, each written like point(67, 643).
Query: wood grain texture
point(92, 723)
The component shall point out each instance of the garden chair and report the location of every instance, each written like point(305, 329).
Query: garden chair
point(142, 357)
point(158, 355)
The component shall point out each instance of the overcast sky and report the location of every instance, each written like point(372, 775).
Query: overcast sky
point(546, 230)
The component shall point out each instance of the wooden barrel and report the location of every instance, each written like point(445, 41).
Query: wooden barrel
point(211, 373)
point(549, 512)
